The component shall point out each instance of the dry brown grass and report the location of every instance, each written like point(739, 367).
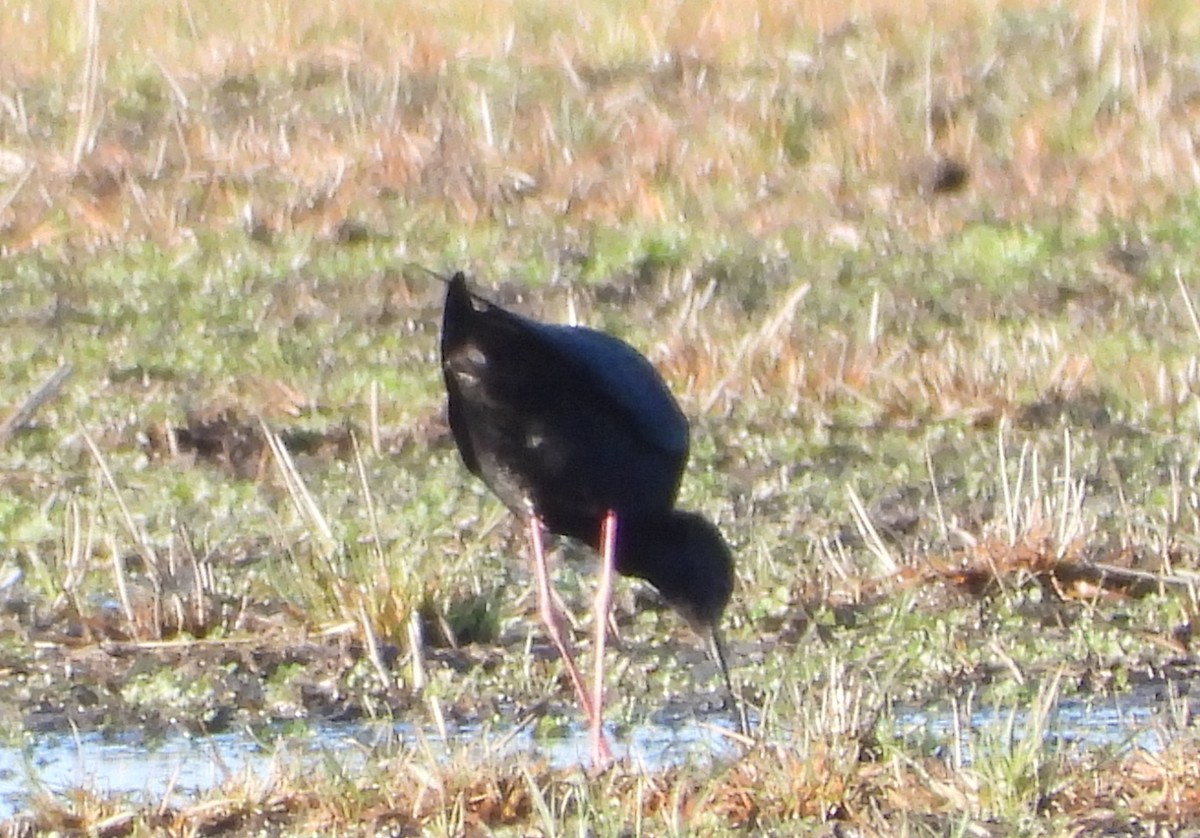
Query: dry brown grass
point(772, 789)
point(811, 116)
point(806, 120)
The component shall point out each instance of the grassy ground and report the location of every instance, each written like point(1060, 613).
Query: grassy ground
point(923, 281)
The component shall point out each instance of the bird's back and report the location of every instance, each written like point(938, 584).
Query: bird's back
point(558, 420)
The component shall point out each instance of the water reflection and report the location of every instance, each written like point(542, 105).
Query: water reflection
point(180, 767)
point(1073, 723)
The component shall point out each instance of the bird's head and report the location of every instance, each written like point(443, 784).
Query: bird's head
point(684, 556)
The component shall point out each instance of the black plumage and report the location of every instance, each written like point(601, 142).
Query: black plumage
point(572, 428)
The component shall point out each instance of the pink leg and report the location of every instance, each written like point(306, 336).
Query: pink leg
point(608, 560)
point(553, 620)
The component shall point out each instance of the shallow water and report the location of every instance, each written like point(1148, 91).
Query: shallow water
point(181, 766)
point(1079, 724)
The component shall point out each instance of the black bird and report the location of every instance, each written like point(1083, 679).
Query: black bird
point(577, 434)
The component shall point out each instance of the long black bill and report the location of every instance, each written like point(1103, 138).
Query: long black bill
point(718, 652)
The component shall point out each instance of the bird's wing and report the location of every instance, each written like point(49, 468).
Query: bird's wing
point(625, 377)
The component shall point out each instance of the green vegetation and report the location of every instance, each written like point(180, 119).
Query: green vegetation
point(924, 282)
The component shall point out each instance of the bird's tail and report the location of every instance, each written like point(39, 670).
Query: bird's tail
point(459, 311)
point(458, 295)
